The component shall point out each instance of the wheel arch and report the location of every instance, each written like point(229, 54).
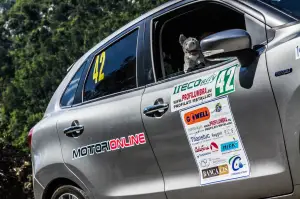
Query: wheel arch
point(55, 184)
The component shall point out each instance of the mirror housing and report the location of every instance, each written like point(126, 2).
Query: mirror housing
point(228, 43)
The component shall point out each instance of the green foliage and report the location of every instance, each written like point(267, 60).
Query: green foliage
point(39, 40)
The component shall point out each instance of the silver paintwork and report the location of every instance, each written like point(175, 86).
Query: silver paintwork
point(164, 167)
point(256, 117)
point(280, 56)
point(117, 173)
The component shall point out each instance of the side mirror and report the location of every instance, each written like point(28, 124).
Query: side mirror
point(229, 43)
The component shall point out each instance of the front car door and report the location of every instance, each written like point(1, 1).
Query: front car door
point(216, 132)
point(102, 139)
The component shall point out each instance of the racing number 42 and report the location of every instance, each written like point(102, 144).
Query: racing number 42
point(225, 81)
point(99, 75)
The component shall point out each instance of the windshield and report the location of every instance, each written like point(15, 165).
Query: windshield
point(291, 7)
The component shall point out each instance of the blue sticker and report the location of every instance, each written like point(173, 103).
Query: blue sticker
point(229, 146)
point(236, 163)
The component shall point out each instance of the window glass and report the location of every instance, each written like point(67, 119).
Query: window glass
point(177, 36)
point(68, 96)
point(113, 70)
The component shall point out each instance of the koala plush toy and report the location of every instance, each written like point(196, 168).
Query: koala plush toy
point(193, 56)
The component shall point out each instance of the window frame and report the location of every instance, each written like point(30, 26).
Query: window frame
point(235, 6)
point(103, 48)
point(82, 66)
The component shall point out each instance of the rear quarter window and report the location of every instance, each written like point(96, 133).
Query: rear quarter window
point(69, 94)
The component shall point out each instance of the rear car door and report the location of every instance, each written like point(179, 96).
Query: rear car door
point(103, 141)
point(215, 131)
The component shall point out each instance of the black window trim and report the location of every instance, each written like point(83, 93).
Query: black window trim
point(151, 23)
point(105, 46)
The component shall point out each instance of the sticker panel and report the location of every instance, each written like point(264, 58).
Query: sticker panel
point(215, 142)
point(204, 88)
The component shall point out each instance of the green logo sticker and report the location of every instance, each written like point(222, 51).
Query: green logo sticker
point(225, 81)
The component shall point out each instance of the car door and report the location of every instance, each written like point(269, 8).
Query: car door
point(215, 131)
point(103, 141)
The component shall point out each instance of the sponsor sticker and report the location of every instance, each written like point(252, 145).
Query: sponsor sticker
point(215, 171)
point(204, 88)
point(199, 137)
point(109, 145)
point(197, 115)
point(236, 163)
point(228, 146)
point(217, 135)
point(218, 149)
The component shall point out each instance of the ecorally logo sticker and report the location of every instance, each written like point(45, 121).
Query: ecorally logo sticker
point(194, 84)
point(109, 145)
point(204, 89)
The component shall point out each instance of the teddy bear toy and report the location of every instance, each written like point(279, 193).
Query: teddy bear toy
point(193, 57)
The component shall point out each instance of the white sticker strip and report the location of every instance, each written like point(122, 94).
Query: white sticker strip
point(204, 88)
point(215, 142)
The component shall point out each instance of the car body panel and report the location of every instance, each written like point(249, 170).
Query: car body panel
point(114, 173)
point(38, 189)
point(272, 16)
point(176, 160)
point(47, 160)
point(281, 56)
point(257, 119)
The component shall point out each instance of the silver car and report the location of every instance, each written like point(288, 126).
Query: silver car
point(195, 99)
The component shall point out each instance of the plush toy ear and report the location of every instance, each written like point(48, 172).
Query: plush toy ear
point(182, 38)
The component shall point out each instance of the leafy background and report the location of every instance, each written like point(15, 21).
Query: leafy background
point(39, 40)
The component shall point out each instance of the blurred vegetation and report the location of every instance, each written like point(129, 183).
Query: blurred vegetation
point(39, 40)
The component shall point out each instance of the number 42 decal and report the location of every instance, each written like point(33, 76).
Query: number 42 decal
point(99, 75)
point(225, 81)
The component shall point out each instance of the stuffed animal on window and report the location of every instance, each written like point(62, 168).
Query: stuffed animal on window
point(193, 57)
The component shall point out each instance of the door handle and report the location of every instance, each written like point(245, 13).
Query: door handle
point(157, 108)
point(74, 130)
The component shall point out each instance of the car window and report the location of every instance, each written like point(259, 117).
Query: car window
point(113, 69)
point(177, 36)
point(68, 96)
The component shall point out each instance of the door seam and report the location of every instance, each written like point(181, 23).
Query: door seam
point(62, 154)
point(163, 178)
